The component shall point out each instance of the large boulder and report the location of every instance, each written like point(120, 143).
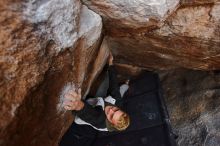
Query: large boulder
point(45, 46)
point(187, 37)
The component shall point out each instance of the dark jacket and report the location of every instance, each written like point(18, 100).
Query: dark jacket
point(95, 115)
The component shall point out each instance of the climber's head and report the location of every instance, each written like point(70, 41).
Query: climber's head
point(117, 118)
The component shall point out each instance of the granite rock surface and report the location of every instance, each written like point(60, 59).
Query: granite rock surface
point(193, 99)
point(162, 34)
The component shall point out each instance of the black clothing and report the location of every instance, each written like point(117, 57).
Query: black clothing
point(95, 115)
point(114, 86)
point(78, 135)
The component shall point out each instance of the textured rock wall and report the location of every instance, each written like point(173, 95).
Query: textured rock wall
point(186, 36)
point(44, 45)
point(193, 99)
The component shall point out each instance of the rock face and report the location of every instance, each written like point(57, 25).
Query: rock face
point(133, 14)
point(44, 46)
point(188, 37)
point(193, 99)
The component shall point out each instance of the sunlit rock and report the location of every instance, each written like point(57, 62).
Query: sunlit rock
point(133, 13)
point(190, 38)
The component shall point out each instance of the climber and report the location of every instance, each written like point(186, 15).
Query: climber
point(103, 114)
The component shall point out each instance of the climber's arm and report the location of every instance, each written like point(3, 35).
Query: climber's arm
point(84, 112)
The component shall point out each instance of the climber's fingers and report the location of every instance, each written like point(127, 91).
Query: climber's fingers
point(66, 107)
point(70, 97)
point(73, 92)
point(69, 105)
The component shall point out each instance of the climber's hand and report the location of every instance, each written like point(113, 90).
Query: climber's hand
point(73, 101)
